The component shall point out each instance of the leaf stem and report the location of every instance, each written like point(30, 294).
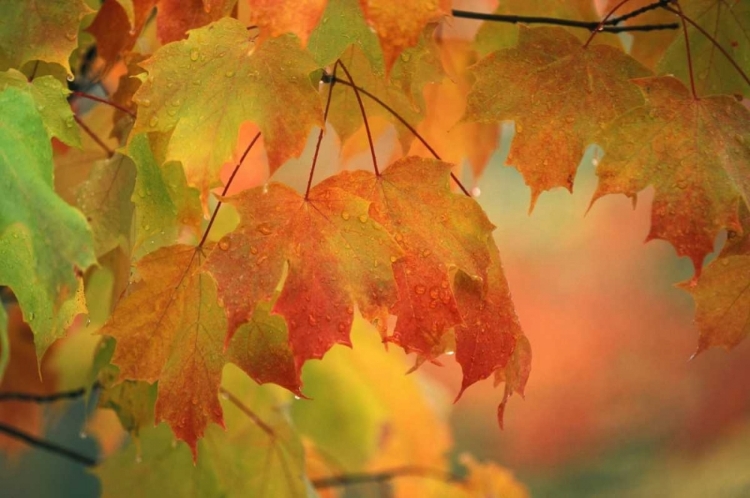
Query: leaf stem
point(226, 189)
point(601, 24)
point(247, 411)
point(386, 475)
point(47, 445)
point(364, 117)
point(320, 135)
point(104, 101)
point(590, 25)
point(403, 122)
point(687, 48)
point(710, 38)
point(94, 136)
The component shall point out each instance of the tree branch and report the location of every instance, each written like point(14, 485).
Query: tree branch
point(47, 445)
point(386, 475)
point(589, 25)
point(45, 398)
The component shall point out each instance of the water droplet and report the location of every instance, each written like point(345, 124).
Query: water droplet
point(363, 218)
point(83, 435)
point(194, 54)
point(342, 327)
point(264, 229)
point(229, 74)
point(405, 56)
point(224, 395)
point(31, 316)
point(145, 103)
point(71, 35)
point(420, 289)
point(476, 192)
point(393, 259)
point(253, 250)
point(450, 353)
point(426, 253)
point(297, 397)
point(312, 320)
point(153, 121)
point(345, 216)
point(434, 292)
point(349, 310)
point(224, 244)
point(398, 237)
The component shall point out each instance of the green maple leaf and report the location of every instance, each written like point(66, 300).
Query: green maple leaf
point(259, 455)
point(203, 88)
point(42, 239)
point(51, 101)
point(728, 22)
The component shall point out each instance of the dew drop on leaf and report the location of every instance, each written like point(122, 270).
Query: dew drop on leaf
point(419, 289)
point(345, 216)
point(363, 218)
point(264, 229)
point(194, 55)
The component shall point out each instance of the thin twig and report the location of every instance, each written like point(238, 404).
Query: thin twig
point(601, 24)
point(589, 25)
point(226, 189)
point(637, 12)
point(687, 51)
point(386, 475)
point(247, 411)
point(403, 122)
point(94, 136)
point(47, 445)
point(104, 101)
point(320, 135)
point(364, 117)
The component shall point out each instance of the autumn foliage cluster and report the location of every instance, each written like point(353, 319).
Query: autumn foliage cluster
point(151, 208)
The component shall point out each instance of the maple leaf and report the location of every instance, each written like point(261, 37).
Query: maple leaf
point(399, 29)
point(341, 26)
point(51, 101)
point(174, 18)
point(728, 22)
point(696, 154)
point(275, 19)
point(47, 32)
point(105, 200)
point(438, 231)
point(486, 340)
point(117, 26)
point(191, 84)
point(43, 241)
point(337, 256)
point(559, 94)
point(163, 202)
point(259, 454)
point(722, 292)
point(179, 343)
